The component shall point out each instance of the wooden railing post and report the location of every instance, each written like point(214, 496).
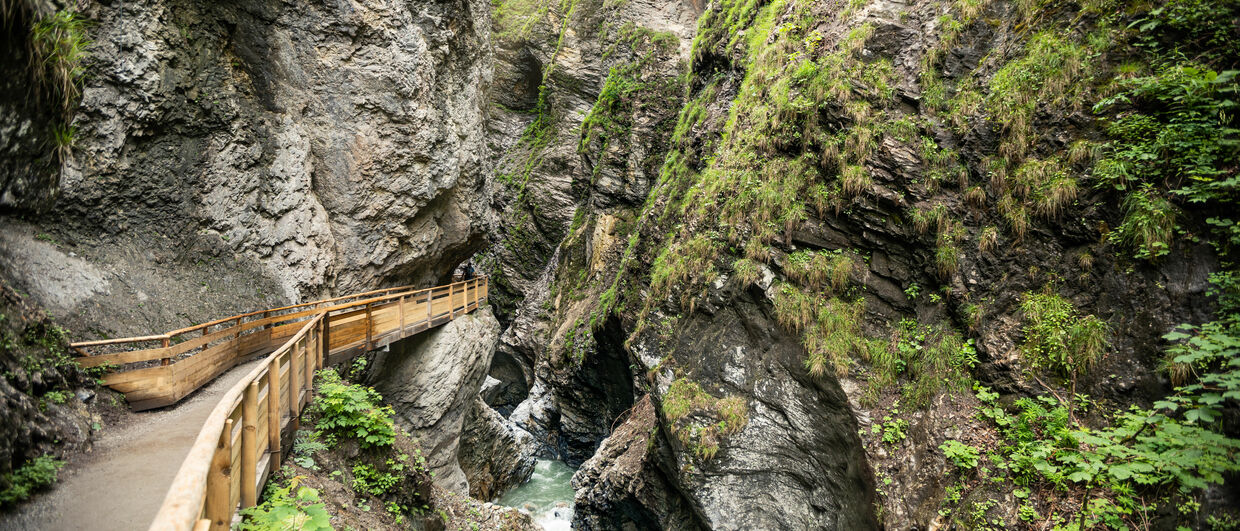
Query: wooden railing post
point(274, 413)
point(400, 308)
point(294, 384)
point(249, 445)
point(305, 346)
point(321, 345)
point(369, 326)
point(165, 344)
point(430, 305)
point(218, 505)
point(327, 336)
point(451, 301)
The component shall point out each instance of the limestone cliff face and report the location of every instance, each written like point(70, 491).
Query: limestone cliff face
point(645, 255)
point(320, 148)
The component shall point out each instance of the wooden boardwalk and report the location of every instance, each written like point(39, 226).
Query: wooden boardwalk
point(242, 440)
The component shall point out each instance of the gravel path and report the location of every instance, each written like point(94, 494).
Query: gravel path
point(120, 484)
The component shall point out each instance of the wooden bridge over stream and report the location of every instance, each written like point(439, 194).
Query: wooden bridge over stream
point(243, 438)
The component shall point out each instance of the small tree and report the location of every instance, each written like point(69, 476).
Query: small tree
point(1059, 338)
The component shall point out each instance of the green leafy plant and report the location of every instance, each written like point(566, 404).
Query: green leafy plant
point(305, 445)
point(893, 429)
point(352, 411)
point(283, 509)
point(53, 397)
point(960, 454)
point(1060, 338)
point(1140, 450)
point(36, 474)
point(370, 479)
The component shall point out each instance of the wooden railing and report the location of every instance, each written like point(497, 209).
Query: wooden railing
point(188, 358)
point(242, 441)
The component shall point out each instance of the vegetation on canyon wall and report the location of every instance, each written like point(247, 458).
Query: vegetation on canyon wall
point(352, 467)
point(56, 43)
point(1122, 113)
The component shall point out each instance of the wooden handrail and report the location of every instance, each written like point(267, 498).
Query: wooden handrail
point(200, 326)
point(205, 494)
point(186, 361)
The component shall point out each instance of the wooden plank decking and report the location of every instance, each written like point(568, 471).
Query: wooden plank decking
point(241, 441)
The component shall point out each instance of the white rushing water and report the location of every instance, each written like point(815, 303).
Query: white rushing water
point(547, 496)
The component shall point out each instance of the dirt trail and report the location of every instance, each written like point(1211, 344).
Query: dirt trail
point(121, 483)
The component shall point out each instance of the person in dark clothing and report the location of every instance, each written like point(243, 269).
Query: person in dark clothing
point(469, 271)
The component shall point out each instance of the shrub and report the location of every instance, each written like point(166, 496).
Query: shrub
point(281, 509)
point(1058, 337)
point(36, 474)
point(352, 411)
point(370, 479)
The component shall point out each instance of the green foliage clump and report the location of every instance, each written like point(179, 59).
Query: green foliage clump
point(1177, 135)
point(370, 479)
point(1058, 337)
point(1140, 454)
point(734, 413)
point(1173, 131)
point(352, 411)
point(305, 444)
point(1048, 73)
point(960, 454)
point(283, 509)
point(932, 358)
point(829, 327)
point(685, 264)
point(892, 429)
point(699, 419)
point(747, 271)
point(820, 270)
point(682, 397)
point(36, 474)
point(59, 44)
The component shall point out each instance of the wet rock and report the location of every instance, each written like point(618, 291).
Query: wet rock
point(622, 487)
point(495, 453)
point(32, 422)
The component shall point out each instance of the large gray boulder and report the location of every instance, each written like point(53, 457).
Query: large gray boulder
point(432, 380)
point(495, 453)
point(622, 486)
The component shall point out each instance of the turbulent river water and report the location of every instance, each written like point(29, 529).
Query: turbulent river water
point(548, 495)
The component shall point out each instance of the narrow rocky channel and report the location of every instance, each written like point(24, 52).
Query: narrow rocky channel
point(547, 495)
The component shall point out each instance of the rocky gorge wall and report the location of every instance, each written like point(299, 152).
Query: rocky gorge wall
point(846, 227)
point(259, 153)
point(753, 263)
